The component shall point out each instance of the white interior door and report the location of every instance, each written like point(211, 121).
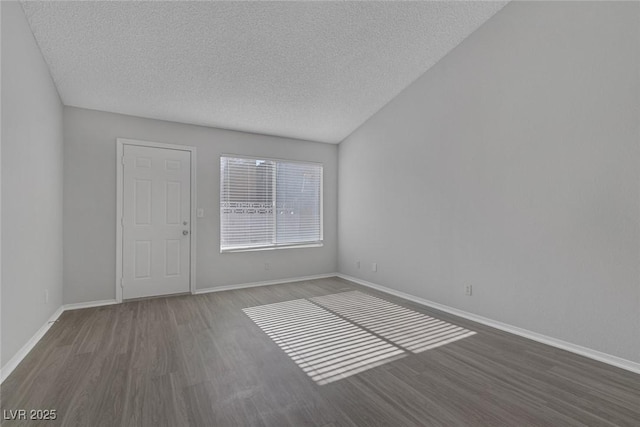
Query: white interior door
point(156, 229)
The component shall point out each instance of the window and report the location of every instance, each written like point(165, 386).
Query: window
point(267, 203)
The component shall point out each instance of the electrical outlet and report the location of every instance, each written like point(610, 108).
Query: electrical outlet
point(468, 290)
point(374, 266)
point(46, 297)
point(266, 266)
point(358, 265)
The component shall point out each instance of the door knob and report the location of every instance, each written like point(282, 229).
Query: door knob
point(185, 232)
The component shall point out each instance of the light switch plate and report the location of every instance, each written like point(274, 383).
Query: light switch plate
point(200, 213)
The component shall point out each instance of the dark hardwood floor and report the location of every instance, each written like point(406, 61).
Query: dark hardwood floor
point(201, 361)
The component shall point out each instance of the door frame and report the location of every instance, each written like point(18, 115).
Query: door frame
point(120, 143)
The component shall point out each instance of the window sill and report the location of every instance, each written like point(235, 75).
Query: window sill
point(270, 248)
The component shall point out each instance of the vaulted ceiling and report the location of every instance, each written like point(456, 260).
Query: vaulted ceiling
point(308, 70)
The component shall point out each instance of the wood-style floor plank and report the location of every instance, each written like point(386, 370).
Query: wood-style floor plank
point(201, 361)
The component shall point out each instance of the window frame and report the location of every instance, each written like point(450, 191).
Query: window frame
point(273, 246)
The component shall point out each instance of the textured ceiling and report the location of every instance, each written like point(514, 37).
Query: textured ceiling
point(308, 70)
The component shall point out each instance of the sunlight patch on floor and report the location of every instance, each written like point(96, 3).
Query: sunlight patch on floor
point(325, 346)
point(406, 328)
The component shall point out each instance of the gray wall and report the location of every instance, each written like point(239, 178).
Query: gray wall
point(512, 166)
point(31, 185)
point(90, 197)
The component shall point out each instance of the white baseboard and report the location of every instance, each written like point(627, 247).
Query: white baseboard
point(6, 370)
point(79, 305)
point(554, 342)
point(264, 283)
point(22, 353)
point(17, 358)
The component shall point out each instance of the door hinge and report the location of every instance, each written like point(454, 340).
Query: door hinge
point(122, 221)
point(121, 283)
point(123, 161)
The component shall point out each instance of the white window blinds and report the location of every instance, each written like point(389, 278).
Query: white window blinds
point(269, 203)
